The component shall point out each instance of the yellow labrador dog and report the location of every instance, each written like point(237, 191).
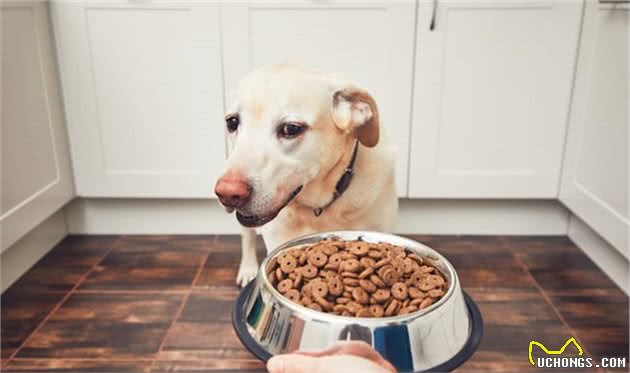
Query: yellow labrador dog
point(306, 156)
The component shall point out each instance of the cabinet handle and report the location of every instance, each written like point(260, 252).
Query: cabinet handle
point(433, 14)
point(614, 1)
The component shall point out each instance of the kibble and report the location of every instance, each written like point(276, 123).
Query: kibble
point(285, 285)
point(357, 278)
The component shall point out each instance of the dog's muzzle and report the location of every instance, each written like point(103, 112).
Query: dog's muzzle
point(252, 221)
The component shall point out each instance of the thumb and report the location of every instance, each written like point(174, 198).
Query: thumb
point(292, 363)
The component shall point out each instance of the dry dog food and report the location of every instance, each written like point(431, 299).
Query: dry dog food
point(356, 278)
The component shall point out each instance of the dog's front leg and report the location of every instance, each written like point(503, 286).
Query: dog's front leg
point(249, 263)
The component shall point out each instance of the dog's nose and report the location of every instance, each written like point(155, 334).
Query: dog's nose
point(232, 190)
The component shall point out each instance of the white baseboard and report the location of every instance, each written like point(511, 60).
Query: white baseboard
point(25, 252)
point(607, 258)
point(483, 217)
point(148, 216)
point(170, 216)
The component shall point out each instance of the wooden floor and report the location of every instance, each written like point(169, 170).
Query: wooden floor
point(162, 303)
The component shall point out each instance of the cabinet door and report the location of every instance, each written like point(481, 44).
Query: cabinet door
point(144, 96)
point(595, 173)
point(491, 97)
point(366, 41)
point(36, 179)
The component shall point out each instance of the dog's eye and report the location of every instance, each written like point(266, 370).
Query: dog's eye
point(291, 130)
point(232, 122)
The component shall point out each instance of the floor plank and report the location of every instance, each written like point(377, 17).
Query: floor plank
point(204, 330)
point(221, 267)
point(105, 326)
point(79, 251)
point(78, 365)
point(511, 321)
point(197, 366)
point(29, 300)
point(22, 312)
point(603, 328)
point(150, 263)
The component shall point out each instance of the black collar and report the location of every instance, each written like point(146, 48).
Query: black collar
point(343, 183)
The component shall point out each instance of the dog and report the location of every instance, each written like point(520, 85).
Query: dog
point(307, 155)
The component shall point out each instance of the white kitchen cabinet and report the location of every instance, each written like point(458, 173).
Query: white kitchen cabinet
point(368, 42)
point(144, 96)
point(36, 179)
point(595, 175)
point(491, 97)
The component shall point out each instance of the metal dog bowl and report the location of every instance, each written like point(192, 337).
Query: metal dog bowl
point(438, 338)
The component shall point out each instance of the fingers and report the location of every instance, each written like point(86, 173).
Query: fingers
point(353, 348)
point(298, 363)
point(292, 363)
point(329, 351)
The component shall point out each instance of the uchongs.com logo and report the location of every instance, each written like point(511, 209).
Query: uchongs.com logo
point(553, 358)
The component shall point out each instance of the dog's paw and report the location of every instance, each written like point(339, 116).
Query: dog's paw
point(246, 273)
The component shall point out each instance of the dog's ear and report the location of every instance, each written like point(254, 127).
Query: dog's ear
point(354, 110)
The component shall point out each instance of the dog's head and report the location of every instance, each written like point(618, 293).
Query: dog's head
point(287, 126)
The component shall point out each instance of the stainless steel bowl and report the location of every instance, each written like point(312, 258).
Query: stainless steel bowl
point(438, 337)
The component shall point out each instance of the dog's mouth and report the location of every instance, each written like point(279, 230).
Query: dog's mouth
point(252, 221)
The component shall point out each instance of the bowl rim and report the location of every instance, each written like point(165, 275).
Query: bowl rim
point(318, 315)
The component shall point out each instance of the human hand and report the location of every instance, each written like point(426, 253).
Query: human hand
point(351, 356)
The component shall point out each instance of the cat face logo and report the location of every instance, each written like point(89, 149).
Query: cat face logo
point(553, 352)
